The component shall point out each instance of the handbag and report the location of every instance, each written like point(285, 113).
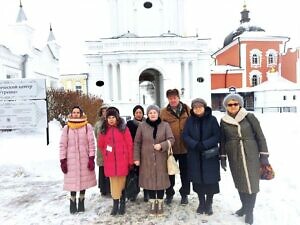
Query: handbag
point(212, 152)
point(132, 186)
point(266, 172)
point(172, 165)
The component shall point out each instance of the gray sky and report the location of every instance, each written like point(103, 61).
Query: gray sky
point(75, 21)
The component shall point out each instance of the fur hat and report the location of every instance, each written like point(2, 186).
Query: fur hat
point(138, 107)
point(172, 92)
point(235, 97)
point(198, 101)
point(151, 107)
point(103, 106)
point(112, 111)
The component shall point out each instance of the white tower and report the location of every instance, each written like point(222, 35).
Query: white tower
point(146, 18)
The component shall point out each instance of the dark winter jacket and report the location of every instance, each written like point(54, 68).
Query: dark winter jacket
point(200, 134)
point(133, 125)
point(242, 140)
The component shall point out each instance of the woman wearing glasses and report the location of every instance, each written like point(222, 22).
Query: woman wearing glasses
point(243, 142)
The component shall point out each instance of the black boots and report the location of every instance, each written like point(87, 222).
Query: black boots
point(242, 210)
point(248, 203)
point(201, 207)
point(208, 205)
point(146, 195)
point(81, 205)
point(122, 204)
point(249, 208)
point(205, 205)
point(73, 206)
point(115, 207)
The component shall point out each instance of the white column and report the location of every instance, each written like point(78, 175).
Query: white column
point(186, 85)
point(114, 84)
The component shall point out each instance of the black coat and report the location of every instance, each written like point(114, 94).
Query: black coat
point(200, 134)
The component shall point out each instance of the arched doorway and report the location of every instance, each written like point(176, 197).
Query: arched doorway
point(150, 87)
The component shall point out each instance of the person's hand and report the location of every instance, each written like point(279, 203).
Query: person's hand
point(264, 159)
point(199, 146)
point(91, 163)
point(157, 147)
point(137, 163)
point(64, 165)
point(223, 163)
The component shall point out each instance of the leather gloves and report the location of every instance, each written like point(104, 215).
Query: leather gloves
point(64, 165)
point(223, 163)
point(91, 163)
point(264, 159)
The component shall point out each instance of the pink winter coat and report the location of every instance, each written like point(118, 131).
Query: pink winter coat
point(117, 151)
point(76, 145)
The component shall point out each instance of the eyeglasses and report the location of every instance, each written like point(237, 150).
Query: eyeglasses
point(232, 104)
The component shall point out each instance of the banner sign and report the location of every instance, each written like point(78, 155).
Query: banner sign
point(18, 89)
point(25, 114)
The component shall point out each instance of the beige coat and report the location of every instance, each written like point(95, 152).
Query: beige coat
point(153, 164)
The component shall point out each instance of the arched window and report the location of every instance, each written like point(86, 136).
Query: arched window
point(271, 55)
point(255, 58)
point(254, 80)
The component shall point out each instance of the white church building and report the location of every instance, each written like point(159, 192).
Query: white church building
point(146, 54)
point(20, 57)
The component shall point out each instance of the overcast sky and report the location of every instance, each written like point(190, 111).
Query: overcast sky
point(75, 21)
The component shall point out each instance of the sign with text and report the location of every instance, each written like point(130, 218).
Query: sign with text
point(19, 89)
point(25, 114)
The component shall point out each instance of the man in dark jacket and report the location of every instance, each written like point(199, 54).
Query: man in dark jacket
point(176, 113)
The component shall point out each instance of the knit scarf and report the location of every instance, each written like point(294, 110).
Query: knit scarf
point(75, 123)
point(154, 124)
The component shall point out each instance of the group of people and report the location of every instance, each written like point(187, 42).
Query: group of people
point(200, 144)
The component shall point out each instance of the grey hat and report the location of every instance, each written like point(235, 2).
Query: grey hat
point(235, 97)
point(155, 107)
point(197, 101)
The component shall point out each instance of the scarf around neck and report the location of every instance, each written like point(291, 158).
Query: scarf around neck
point(154, 124)
point(75, 123)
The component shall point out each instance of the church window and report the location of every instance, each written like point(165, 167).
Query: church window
point(78, 87)
point(271, 56)
point(254, 80)
point(294, 97)
point(284, 97)
point(255, 57)
point(148, 5)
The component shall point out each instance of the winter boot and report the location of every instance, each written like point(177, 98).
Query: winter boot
point(249, 209)
point(201, 207)
point(160, 206)
point(242, 210)
point(122, 204)
point(208, 205)
point(81, 204)
point(73, 207)
point(115, 207)
point(153, 206)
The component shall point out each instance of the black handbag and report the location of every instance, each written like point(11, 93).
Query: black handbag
point(212, 152)
point(132, 184)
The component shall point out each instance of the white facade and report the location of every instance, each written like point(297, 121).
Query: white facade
point(137, 63)
point(19, 58)
point(276, 94)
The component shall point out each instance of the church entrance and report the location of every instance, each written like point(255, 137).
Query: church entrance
point(151, 87)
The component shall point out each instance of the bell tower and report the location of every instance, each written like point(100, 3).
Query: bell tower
point(146, 17)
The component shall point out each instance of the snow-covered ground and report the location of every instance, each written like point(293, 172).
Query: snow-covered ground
point(31, 185)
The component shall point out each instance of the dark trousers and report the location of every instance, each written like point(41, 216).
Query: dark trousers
point(156, 194)
point(103, 182)
point(185, 184)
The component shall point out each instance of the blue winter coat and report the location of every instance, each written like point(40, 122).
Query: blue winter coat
point(206, 131)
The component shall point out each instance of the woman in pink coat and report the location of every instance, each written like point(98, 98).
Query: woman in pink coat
point(77, 154)
point(116, 145)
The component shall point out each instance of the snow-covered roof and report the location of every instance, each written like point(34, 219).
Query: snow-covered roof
point(224, 68)
point(276, 83)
